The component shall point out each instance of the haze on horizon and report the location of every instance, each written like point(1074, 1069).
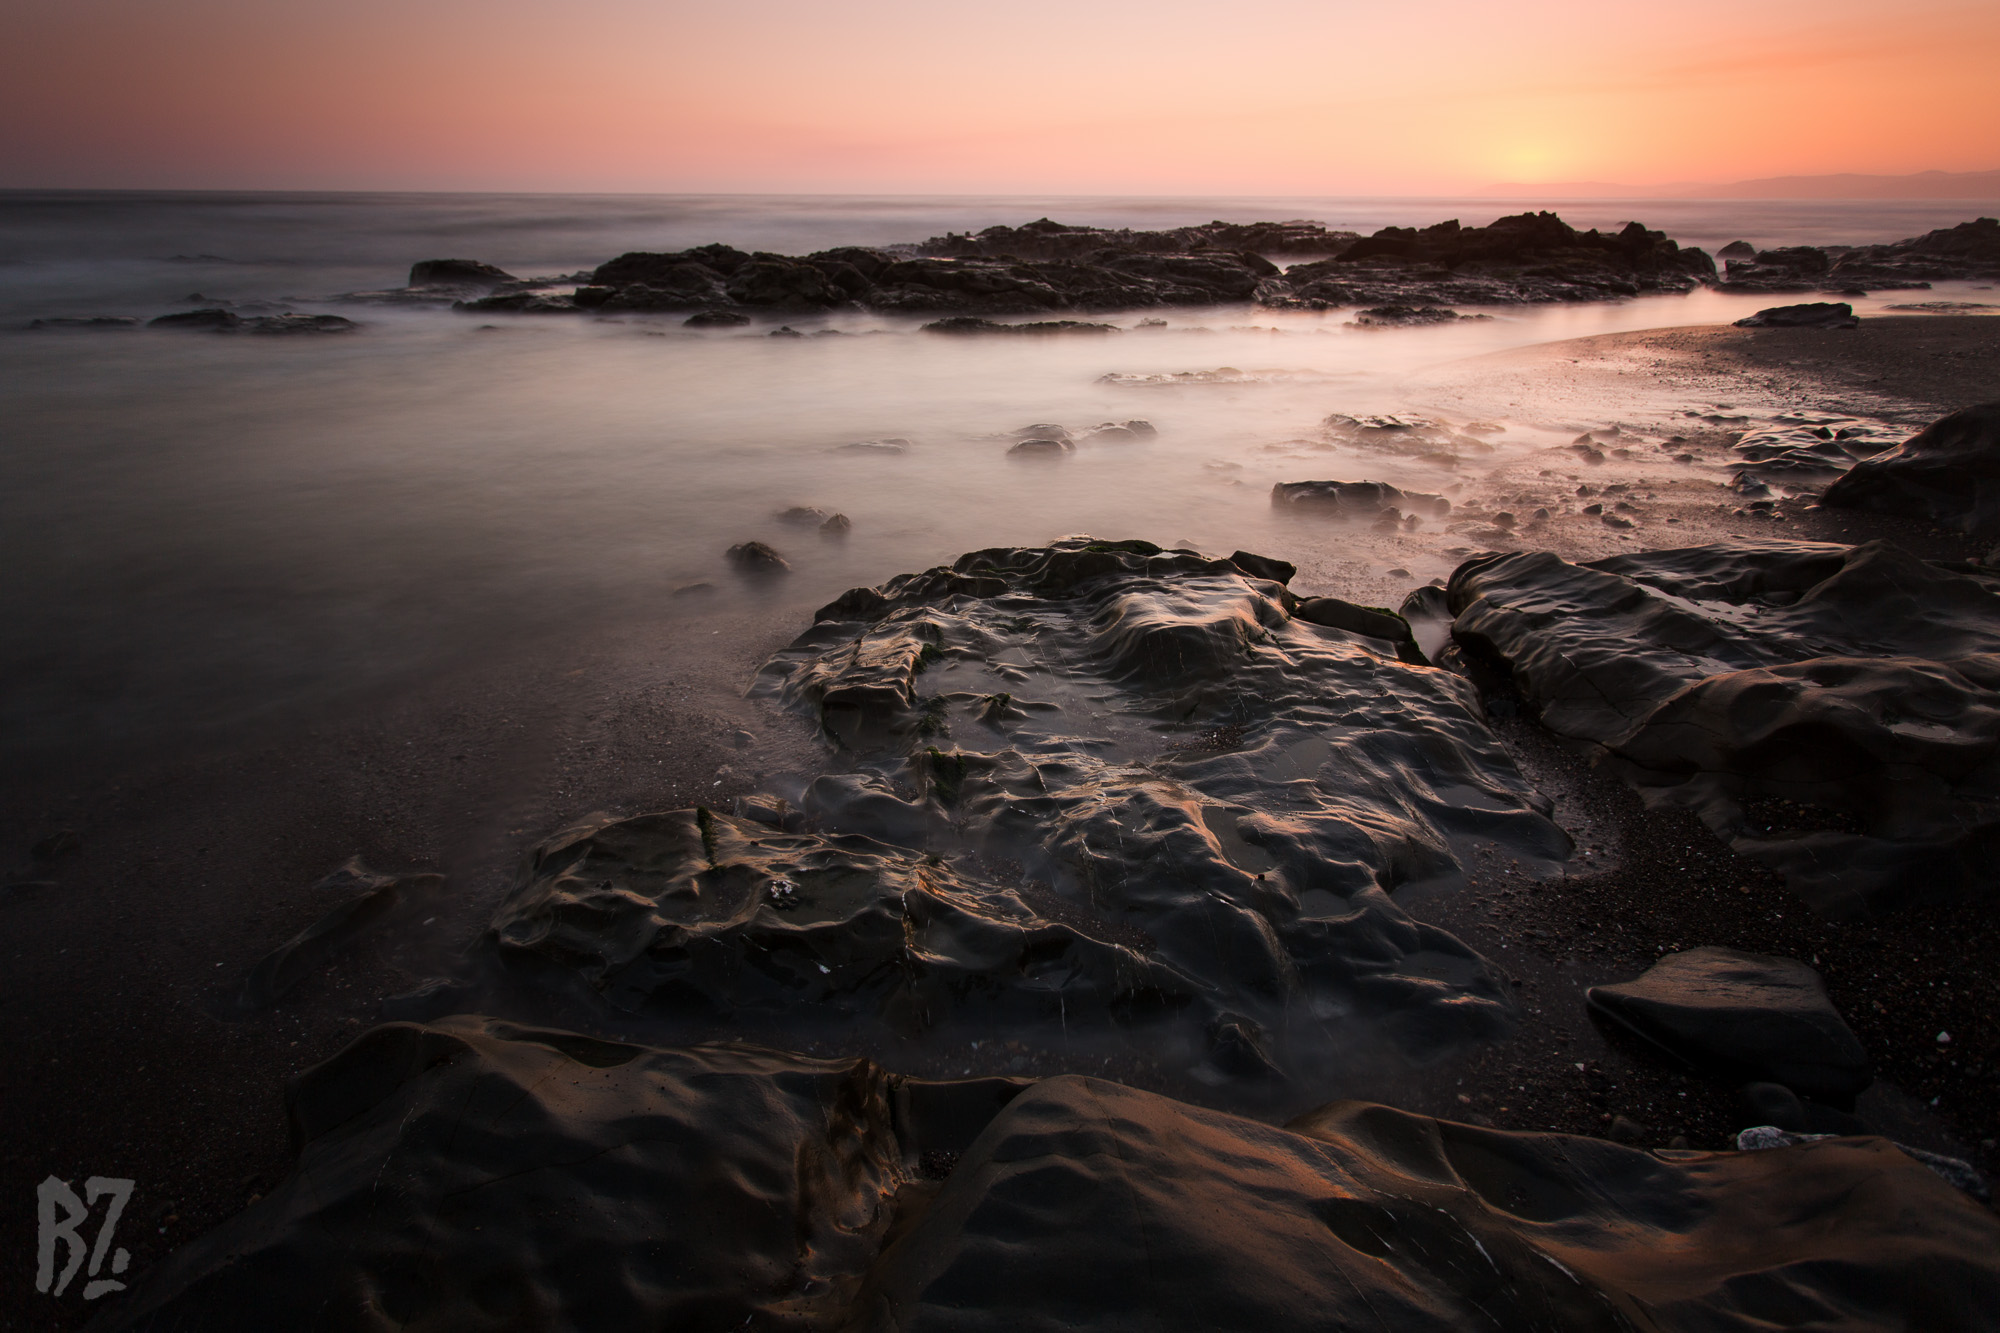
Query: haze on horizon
point(1314, 97)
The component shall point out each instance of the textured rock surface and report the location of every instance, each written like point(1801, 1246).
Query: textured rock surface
point(1749, 1017)
point(1116, 791)
point(476, 1175)
point(1828, 710)
point(1948, 473)
point(1811, 315)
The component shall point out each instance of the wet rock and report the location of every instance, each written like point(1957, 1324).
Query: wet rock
point(87, 322)
point(1372, 621)
point(1827, 710)
point(1812, 315)
point(466, 273)
point(1045, 240)
point(889, 448)
point(1355, 499)
point(450, 1170)
point(1529, 257)
point(429, 1000)
point(1264, 567)
point(1404, 436)
point(1749, 1017)
point(784, 331)
point(1051, 447)
point(714, 319)
point(802, 516)
point(211, 318)
point(1948, 473)
point(369, 899)
point(1800, 453)
point(1957, 1173)
point(1737, 250)
point(756, 558)
point(1404, 316)
point(1628, 1131)
point(973, 324)
point(836, 525)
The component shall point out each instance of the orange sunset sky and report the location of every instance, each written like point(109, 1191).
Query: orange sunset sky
point(1096, 96)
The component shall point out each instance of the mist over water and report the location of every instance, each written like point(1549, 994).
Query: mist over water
point(195, 529)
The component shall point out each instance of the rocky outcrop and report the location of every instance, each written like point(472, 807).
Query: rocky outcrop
point(1812, 315)
point(458, 274)
point(1948, 473)
point(1799, 453)
point(1104, 792)
point(1827, 710)
point(1357, 499)
point(1748, 1017)
point(477, 1174)
point(1044, 239)
point(1971, 250)
point(1531, 257)
point(216, 320)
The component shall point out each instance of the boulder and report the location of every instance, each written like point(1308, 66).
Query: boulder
point(1737, 250)
point(1812, 315)
point(1264, 567)
point(211, 318)
point(756, 558)
point(1748, 1017)
point(461, 1173)
point(1825, 709)
point(1356, 499)
point(1948, 474)
point(458, 273)
point(711, 319)
point(803, 516)
point(1050, 447)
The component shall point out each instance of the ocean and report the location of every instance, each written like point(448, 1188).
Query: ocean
point(198, 531)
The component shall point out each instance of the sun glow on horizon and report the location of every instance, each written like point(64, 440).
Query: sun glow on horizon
point(890, 96)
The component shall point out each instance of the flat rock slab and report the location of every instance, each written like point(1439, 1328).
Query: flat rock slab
point(1828, 710)
point(1750, 1017)
point(1097, 792)
point(480, 1176)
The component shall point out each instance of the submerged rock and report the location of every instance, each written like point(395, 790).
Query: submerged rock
point(1748, 1017)
point(1827, 710)
point(1948, 473)
point(1356, 499)
point(1406, 316)
point(756, 558)
point(1043, 447)
point(216, 320)
point(452, 1171)
point(716, 319)
point(1813, 315)
point(971, 324)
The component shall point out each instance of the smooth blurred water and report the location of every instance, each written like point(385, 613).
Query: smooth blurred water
point(195, 528)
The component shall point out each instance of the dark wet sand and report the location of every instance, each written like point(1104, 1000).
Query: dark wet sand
point(117, 1062)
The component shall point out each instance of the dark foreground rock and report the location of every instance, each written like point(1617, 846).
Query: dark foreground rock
point(1812, 315)
point(1357, 499)
point(1948, 473)
point(1125, 799)
point(1827, 710)
point(1749, 1017)
point(479, 1175)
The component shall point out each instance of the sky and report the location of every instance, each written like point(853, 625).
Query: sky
point(1318, 97)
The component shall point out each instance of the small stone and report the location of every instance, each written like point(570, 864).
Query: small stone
point(1628, 1131)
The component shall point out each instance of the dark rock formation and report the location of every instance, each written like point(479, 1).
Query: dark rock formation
point(1043, 447)
point(1405, 316)
point(1969, 250)
point(1737, 250)
point(1812, 315)
point(803, 516)
point(716, 319)
point(1948, 473)
point(476, 1174)
point(1264, 567)
point(1044, 239)
point(1744, 1016)
point(756, 558)
point(85, 322)
point(836, 525)
point(1357, 499)
point(228, 321)
point(458, 273)
point(1103, 792)
point(1530, 257)
point(1801, 452)
point(1406, 437)
point(973, 324)
point(1828, 710)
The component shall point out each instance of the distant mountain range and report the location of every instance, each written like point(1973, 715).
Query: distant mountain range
point(1922, 185)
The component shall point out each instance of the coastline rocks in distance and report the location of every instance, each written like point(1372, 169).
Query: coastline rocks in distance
point(228, 321)
point(756, 558)
point(84, 322)
point(1948, 473)
point(1404, 316)
point(1044, 239)
point(1357, 499)
point(1528, 257)
point(1749, 1018)
point(972, 324)
point(1827, 710)
point(1812, 315)
point(1970, 250)
point(615, 1186)
point(715, 319)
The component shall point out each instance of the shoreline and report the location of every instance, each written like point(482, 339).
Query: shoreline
point(508, 752)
